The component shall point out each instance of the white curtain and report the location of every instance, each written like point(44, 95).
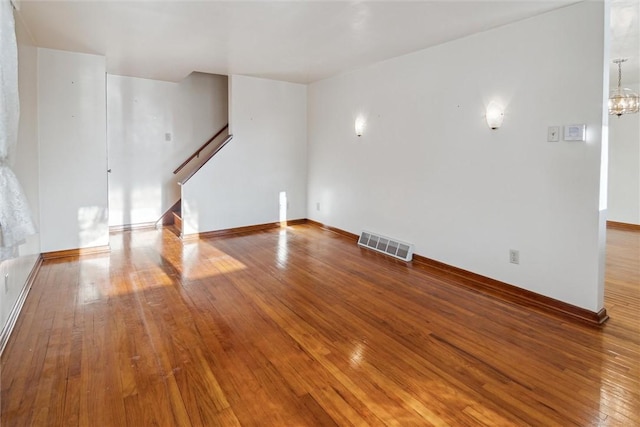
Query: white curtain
point(16, 223)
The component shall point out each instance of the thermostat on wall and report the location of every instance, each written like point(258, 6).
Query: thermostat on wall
point(575, 132)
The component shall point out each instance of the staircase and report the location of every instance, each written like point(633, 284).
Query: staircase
point(177, 221)
point(173, 217)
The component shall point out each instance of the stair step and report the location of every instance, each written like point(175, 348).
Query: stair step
point(177, 221)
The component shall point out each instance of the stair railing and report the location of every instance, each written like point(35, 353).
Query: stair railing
point(213, 153)
point(202, 147)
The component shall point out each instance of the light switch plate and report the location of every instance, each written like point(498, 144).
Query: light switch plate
point(553, 134)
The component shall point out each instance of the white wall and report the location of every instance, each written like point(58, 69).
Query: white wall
point(624, 167)
point(428, 169)
point(73, 157)
point(142, 185)
point(25, 165)
point(242, 184)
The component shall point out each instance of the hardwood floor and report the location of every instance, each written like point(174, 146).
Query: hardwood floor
point(297, 327)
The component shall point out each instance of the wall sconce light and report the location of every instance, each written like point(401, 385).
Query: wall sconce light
point(359, 126)
point(495, 115)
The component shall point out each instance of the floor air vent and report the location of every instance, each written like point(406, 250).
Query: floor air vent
point(386, 245)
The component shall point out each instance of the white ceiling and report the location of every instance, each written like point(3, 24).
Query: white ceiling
point(625, 40)
point(298, 41)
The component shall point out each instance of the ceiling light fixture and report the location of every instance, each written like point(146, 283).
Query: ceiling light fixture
point(622, 100)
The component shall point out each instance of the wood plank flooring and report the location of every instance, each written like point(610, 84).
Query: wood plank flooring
point(299, 327)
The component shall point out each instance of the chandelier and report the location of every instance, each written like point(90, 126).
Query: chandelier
point(622, 100)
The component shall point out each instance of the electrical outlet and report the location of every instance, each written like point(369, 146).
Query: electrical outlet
point(514, 256)
point(167, 136)
point(317, 206)
point(553, 134)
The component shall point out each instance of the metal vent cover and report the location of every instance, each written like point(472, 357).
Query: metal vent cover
point(386, 245)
